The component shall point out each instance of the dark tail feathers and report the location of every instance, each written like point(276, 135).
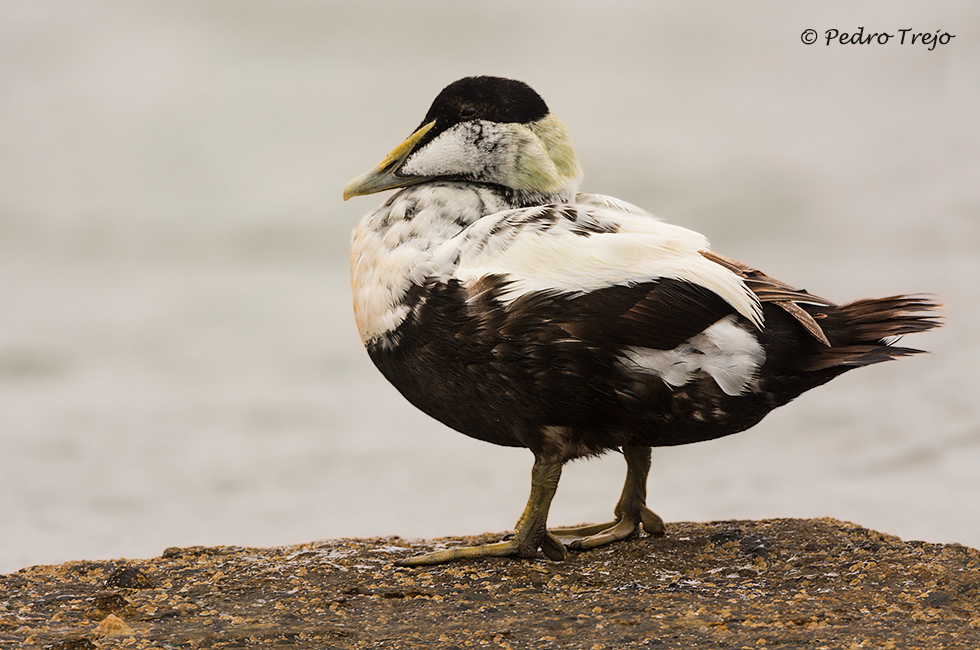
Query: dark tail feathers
point(863, 332)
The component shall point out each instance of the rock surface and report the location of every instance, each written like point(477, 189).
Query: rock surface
point(784, 583)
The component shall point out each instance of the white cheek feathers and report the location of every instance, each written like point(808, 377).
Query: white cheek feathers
point(538, 159)
point(475, 150)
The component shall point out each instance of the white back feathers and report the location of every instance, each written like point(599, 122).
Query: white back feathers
point(581, 247)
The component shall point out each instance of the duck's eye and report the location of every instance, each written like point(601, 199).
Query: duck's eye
point(467, 111)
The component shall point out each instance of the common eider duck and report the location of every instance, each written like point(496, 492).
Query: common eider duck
point(509, 306)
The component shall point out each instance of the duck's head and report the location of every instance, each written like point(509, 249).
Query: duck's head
point(482, 130)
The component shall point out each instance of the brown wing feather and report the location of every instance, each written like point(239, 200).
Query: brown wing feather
point(771, 290)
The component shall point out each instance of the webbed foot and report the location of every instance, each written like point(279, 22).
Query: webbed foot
point(631, 511)
point(582, 538)
point(530, 534)
point(513, 547)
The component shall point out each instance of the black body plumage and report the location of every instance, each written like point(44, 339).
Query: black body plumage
point(549, 362)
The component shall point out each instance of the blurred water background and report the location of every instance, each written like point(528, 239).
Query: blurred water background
point(178, 361)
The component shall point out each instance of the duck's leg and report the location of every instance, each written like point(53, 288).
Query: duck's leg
point(630, 511)
point(531, 531)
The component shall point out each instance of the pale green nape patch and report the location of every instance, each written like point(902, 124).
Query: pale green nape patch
point(549, 164)
point(557, 143)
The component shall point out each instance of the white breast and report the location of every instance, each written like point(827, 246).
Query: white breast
point(396, 247)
